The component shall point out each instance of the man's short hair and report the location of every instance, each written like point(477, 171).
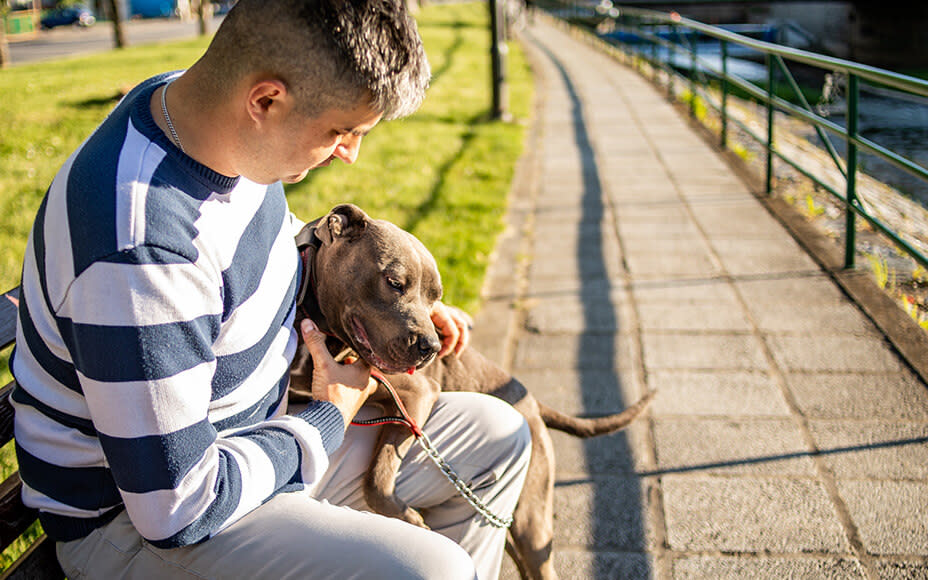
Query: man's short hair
point(330, 53)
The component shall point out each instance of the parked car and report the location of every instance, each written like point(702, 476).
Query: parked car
point(74, 14)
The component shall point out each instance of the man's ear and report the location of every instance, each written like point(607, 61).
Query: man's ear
point(344, 221)
point(266, 97)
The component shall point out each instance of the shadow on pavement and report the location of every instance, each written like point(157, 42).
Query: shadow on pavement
point(617, 535)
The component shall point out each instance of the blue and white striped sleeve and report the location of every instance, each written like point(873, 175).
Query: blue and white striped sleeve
point(140, 327)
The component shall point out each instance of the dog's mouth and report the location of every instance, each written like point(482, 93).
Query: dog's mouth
point(362, 344)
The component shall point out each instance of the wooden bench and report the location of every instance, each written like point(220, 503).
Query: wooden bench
point(39, 560)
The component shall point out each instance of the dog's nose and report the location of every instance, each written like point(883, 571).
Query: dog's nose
point(428, 345)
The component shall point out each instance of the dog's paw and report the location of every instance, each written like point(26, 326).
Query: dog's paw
point(415, 518)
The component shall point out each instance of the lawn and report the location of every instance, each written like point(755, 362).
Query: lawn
point(443, 174)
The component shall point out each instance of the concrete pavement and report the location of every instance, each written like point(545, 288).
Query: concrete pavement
point(788, 439)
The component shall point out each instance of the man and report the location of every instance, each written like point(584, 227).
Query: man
point(156, 329)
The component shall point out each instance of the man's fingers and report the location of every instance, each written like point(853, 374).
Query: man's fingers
point(464, 327)
point(453, 326)
point(447, 327)
point(315, 342)
point(465, 317)
point(451, 335)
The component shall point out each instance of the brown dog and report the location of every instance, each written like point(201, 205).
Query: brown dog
point(371, 286)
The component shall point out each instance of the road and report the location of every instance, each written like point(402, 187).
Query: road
point(68, 41)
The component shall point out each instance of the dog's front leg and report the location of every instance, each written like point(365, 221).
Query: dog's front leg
point(418, 395)
point(380, 486)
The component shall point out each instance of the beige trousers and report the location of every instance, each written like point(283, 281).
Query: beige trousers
point(323, 532)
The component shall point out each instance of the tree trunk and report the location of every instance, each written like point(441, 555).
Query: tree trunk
point(119, 35)
point(4, 45)
point(204, 13)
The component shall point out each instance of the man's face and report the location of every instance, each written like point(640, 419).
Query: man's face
point(301, 143)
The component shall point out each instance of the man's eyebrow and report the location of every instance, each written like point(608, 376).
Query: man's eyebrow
point(357, 132)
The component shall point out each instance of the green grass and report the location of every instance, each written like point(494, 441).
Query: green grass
point(443, 174)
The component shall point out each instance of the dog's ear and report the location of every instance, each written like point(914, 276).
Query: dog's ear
point(344, 221)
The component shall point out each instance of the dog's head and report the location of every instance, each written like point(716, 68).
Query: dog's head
point(375, 286)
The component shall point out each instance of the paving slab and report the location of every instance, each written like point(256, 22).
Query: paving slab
point(735, 568)
point(725, 446)
point(892, 515)
point(756, 515)
point(723, 351)
point(895, 396)
point(607, 390)
point(873, 450)
point(715, 393)
point(602, 514)
point(825, 352)
point(587, 351)
point(897, 570)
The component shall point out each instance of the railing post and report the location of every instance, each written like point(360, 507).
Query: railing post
point(850, 218)
point(654, 65)
point(691, 46)
point(670, 52)
point(724, 112)
point(768, 185)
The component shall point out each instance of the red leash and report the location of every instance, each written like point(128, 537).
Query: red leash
point(404, 419)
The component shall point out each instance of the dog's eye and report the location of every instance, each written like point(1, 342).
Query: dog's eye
point(395, 284)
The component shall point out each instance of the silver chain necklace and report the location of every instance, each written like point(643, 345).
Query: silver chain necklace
point(167, 117)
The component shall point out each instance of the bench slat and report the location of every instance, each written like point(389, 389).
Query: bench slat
point(6, 414)
point(14, 516)
point(9, 306)
point(38, 563)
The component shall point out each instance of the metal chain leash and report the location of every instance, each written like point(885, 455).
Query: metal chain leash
point(481, 508)
point(423, 440)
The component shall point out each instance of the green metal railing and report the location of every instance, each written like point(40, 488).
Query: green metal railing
point(659, 38)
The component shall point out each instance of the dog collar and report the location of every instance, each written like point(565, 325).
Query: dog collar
point(308, 243)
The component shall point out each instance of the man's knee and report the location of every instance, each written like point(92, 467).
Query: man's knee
point(496, 431)
point(445, 559)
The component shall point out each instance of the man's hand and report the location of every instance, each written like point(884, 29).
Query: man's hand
point(453, 326)
point(346, 386)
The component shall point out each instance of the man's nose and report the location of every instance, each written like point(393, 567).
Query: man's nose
point(348, 149)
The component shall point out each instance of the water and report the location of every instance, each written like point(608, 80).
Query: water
point(899, 124)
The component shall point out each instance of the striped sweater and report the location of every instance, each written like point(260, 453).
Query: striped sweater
point(154, 340)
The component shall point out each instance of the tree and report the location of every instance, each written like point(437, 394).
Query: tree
point(204, 12)
point(4, 44)
point(498, 68)
point(119, 36)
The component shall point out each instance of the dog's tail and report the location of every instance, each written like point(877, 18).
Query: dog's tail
point(591, 427)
